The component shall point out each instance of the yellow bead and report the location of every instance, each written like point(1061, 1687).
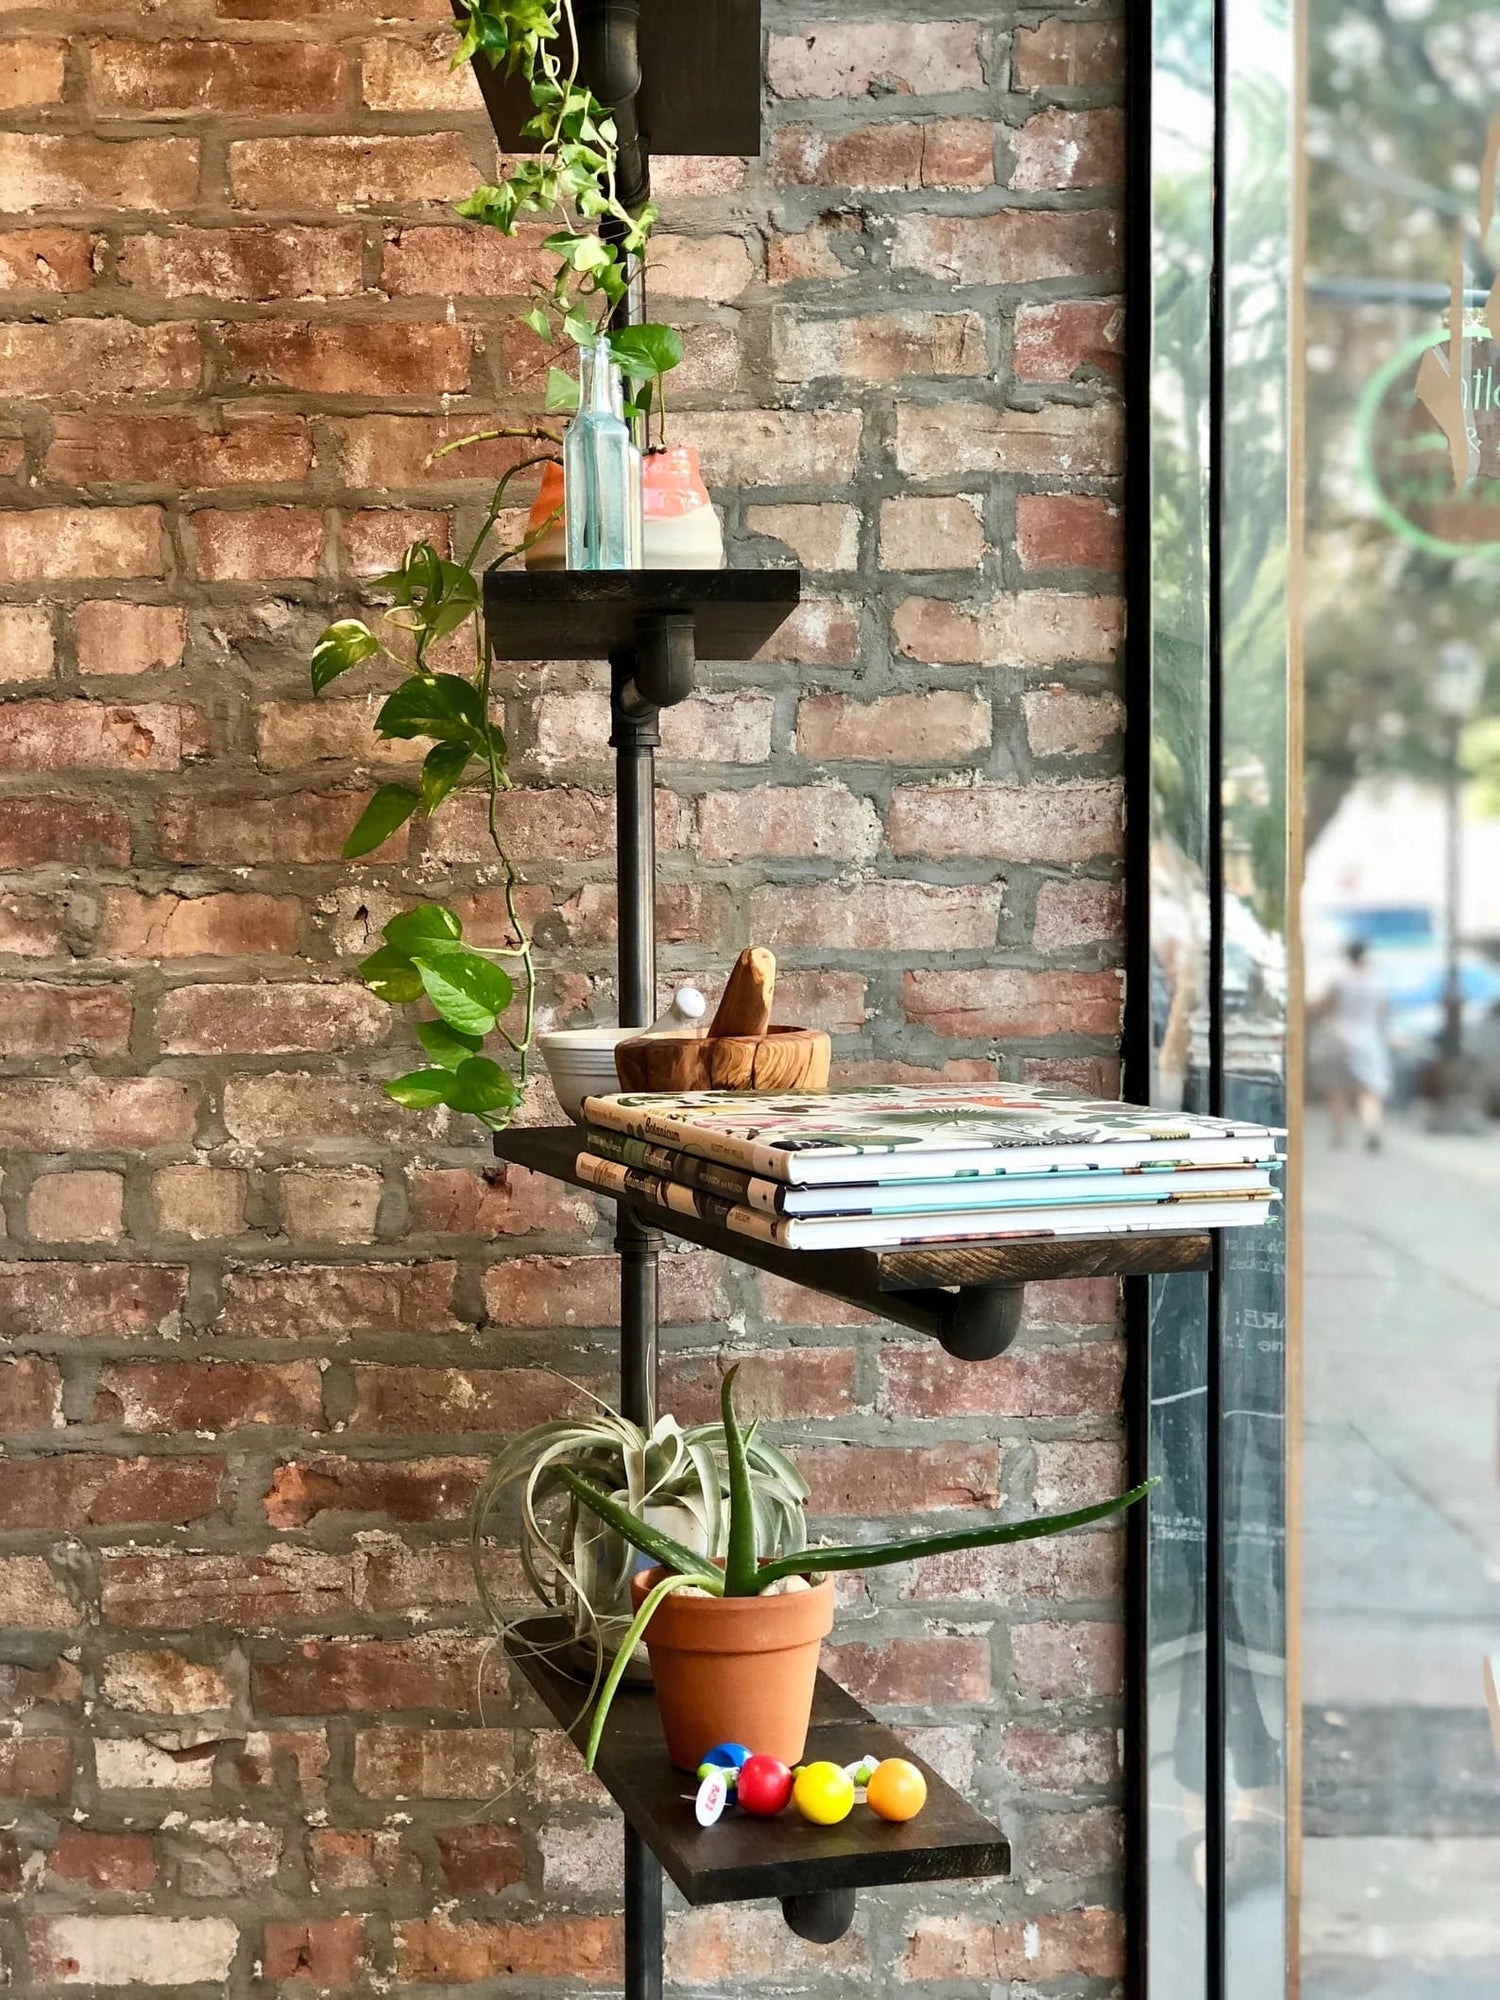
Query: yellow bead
point(823, 1794)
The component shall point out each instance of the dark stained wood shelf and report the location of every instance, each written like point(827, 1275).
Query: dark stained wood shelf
point(593, 614)
point(938, 1289)
point(743, 1858)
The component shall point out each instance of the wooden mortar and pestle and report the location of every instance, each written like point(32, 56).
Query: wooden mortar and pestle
point(741, 1050)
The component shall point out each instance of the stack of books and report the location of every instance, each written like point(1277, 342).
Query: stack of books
point(887, 1166)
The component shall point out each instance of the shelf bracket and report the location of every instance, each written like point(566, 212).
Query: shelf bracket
point(822, 1917)
point(978, 1322)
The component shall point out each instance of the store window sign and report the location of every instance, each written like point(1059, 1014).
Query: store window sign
point(1429, 422)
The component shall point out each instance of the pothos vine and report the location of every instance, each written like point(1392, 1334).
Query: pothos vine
point(571, 178)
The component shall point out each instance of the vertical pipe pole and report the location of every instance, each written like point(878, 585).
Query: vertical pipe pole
point(635, 736)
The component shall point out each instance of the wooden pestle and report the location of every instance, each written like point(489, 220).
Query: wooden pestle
point(745, 1008)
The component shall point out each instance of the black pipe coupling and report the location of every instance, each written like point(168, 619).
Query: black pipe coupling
point(609, 62)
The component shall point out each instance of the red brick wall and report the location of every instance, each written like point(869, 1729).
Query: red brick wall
point(264, 1326)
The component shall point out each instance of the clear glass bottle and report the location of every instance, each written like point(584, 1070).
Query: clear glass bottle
point(601, 470)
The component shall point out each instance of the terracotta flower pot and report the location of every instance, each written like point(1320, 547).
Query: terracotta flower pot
point(736, 1669)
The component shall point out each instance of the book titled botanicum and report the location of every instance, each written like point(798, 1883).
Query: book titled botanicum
point(893, 1132)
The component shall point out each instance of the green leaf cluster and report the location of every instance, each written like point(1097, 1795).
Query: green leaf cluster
point(424, 957)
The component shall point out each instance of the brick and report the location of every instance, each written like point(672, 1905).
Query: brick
point(387, 452)
point(944, 440)
point(859, 59)
point(34, 830)
point(1012, 246)
point(325, 1952)
point(77, 1490)
point(1049, 823)
point(362, 358)
point(391, 1400)
point(72, 544)
point(117, 1864)
point(45, 260)
point(796, 1382)
point(395, 1763)
point(917, 534)
point(869, 1482)
point(581, 1291)
point(225, 1857)
point(342, 1858)
point(208, 1396)
point(88, 1114)
point(164, 1682)
point(87, 1300)
point(904, 1672)
point(877, 347)
point(241, 832)
point(1071, 1943)
point(1061, 1568)
point(1074, 1472)
point(310, 1301)
point(875, 916)
point(269, 1020)
point(280, 1757)
point(1072, 915)
point(35, 1767)
point(1069, 149)
point(25, 642)
point(1062, 1662)
point(407, 76)
point(718, 729)
point(1069, 531)
point(249, 543)
point(1062, 722)
point(32, 1599)
point(438, 1670)
point(284, 1108)
point(813, 253)
point(34, 926)
point(116, 638)
point(246, 263)
point(31, 74)
point(43, 1019)
point(113, 356)
point(1064, 54)
point(1055, 342)
point(30, 1395)
point(452, 1952)
point(198, 1201)
point(823, 535)
point(84, 1207)
point(413, 1489)
point(756, 1943)
point(131, 1950)
point(170, 1592)
point(97, 736)
point(1036, 627)
point(133, 925)
point(376, 539)
point(944, 153)
point(291, 735)
point(179, 454)
point(1081, 1381)
point(1060, 1845)
point(784, 820)
point(240, 79)
point(937, 728)
point(777, 447)
point(995, 1002)
point(820, 632)
point(45, 170)
point(480, 1860)
point(1066, 1761)
point(422, 1582)
point(330, 1207)
point(494, 1201)
point(358, 172)
point(426, 261)
point(714, 268)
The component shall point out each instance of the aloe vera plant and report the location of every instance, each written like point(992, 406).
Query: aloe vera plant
point(749, 1569)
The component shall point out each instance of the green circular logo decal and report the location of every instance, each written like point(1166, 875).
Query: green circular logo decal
point(1405, 460)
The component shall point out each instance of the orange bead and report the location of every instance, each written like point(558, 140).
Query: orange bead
point(897, 1790)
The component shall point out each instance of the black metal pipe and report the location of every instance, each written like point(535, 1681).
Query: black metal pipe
point(639, 1247)
point(643, 1920)
point(609, 62)
point(635, 737)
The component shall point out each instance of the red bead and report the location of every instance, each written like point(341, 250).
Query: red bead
point(764, 1787)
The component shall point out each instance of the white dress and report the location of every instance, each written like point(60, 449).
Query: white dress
point(1358, 1015)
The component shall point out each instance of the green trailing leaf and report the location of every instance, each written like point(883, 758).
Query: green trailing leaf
point(440, 705)
point(740, 1552)
point(658, 1592)
point(468, 991)
point(442, 768)
point(877, 1555)
point(341, 647)
point(444, 1044)
point(422, 1088)
point(562, 391)
point(646, 352)
point(426, 924)
point(641, 1535)
point(391, 976)
point(389, 809)
point(481, 1086)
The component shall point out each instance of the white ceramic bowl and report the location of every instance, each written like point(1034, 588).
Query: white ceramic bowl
point(581, 1063)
